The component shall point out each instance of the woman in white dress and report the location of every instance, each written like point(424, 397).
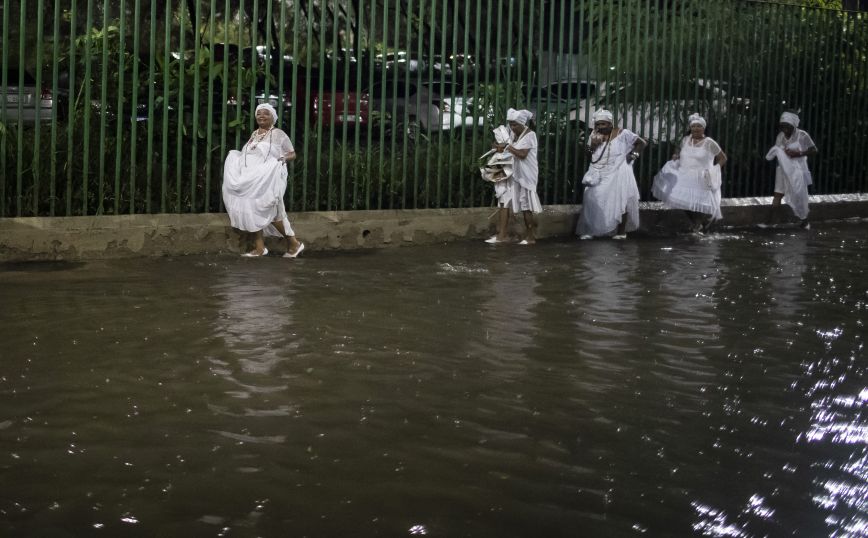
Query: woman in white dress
point(610, 203)
point(517, 194)
point(691, 180)
point(254, 181)
point(792, 177)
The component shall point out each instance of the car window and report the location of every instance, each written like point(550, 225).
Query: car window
point(12, 77)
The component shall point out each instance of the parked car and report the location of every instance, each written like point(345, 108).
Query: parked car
point(426, 107)
point(559, 103)
point(22, 102)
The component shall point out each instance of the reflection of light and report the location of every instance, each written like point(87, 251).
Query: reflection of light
point(828, 420)
point(712, 522)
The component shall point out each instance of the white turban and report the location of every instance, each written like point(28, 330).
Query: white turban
point(519, 116)
point(268, 107)
point(790, 118)
point(603, 115)
point(696, 119)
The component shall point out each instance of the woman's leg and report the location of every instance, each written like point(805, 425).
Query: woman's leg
point(776, 205)
point(503, 224)
point(291, 242)
point(530, 225)
point(622, 226)
point(258, 243)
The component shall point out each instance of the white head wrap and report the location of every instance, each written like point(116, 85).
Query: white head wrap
point(520, 116)
point(694, 119)
point(603, 115)
point(268, 107)
point(790, 118)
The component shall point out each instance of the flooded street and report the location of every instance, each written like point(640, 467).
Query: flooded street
point(677, 386)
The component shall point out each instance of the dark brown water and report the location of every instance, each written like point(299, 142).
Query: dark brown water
point(667, 387)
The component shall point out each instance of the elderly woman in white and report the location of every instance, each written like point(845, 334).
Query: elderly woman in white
point(792, 177)
point(254, 181)
point(518, 192)
point(610, 202)
point(691, 180)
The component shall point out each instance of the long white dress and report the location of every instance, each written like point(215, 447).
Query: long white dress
point(519, 190)
point(610, 188)
point(692, 182)
point(792, 176)
point(254, 182)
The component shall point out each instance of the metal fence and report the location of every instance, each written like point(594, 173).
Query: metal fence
point(130, 106)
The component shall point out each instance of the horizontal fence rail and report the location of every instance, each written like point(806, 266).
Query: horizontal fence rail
point(131, 106)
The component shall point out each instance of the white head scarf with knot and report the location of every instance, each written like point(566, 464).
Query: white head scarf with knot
point(603, 115)
point(790, 118)
point(695, 119)
point(268, 107)
point(519, 116)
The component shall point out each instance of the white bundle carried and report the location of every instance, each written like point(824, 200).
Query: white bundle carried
point(500, 164)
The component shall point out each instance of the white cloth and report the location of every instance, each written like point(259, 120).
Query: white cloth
point(790, 118)
point(693, 181)
point(603, 115)
point(610, 188)
point(519, 191)
point(526, 173)
point(254, 182)
point(519, 116)
point(792, 175)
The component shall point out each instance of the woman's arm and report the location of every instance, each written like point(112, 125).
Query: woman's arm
point(720, 158)
point(519, 153)
point(289, 156)
point(638, 146)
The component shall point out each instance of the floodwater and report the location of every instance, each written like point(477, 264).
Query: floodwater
point(657, 386)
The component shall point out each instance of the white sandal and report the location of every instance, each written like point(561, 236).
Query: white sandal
point(252, 254)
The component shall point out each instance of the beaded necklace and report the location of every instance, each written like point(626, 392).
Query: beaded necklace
point(256, 139)
point(603, 153)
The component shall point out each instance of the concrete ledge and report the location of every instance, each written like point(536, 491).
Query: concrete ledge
point(78, 238)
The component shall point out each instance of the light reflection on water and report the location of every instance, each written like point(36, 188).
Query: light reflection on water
point(712, 385)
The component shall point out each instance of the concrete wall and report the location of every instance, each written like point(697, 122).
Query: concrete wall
point(79, 238)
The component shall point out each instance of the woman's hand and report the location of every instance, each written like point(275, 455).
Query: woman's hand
point(500, 148)
point(793, 153)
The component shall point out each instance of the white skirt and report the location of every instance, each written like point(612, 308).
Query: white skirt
point(689, 189)
point(253, 195)
point(605, 202)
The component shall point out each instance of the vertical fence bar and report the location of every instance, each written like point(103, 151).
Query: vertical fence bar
point(209, 120)
point(306, 103)
point(405, 157)
point(465, 65)
point(103, 109)
point(4, 80)
point(149, 157)
point(438, 162)
point(55, 115)
point(193, 136)
point(321, 113)
point(824, 130)
point(37, 168)
point(359, 52)
point(70, 151)
point(372, 53)
point(164, 163)
point(393, 166)
point(87, 105)
point(835, 182)
point(122, 49)
point(477, 65)
point(19, 147)
point(381, 144)
point(134, 104)
point(180, 126)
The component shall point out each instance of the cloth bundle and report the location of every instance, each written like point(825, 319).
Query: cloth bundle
point(499, 166)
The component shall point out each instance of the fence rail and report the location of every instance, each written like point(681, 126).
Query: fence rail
point(130, 106)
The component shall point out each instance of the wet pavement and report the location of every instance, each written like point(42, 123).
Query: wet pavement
point(693, 385)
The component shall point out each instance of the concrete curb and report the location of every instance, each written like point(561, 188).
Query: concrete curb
point(81, 238)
